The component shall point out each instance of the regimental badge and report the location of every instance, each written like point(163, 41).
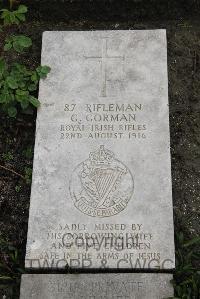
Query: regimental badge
point(101, 186)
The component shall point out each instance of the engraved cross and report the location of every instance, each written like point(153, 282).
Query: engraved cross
point(104, 57)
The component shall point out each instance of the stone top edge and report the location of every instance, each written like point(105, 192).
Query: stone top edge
point(98, 274)
point(108, 31)
point(159, 33)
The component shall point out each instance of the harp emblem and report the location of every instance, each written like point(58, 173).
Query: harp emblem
point(106, 184)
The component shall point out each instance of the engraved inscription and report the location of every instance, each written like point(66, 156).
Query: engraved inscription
point(105, 289)
point(104, 121)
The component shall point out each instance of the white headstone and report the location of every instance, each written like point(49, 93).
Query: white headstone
point(101, 192)
point(96, 286)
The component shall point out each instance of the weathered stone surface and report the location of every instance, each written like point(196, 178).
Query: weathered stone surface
point(101, 192)
point(96, 286)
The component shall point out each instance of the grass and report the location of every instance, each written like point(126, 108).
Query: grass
point(7, 156)
point(10, 270)
point(186, 280)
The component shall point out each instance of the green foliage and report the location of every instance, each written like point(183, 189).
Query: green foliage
point(28, 152)
point(28, 175)
point(18, 188)
point(14, 17)
point(7, 156)
point(10, 268)
point(42, 71)
point(186, 280)
point(17, 85)
point(17, 42)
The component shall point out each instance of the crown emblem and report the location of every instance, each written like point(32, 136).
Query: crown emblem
point(102, 156)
